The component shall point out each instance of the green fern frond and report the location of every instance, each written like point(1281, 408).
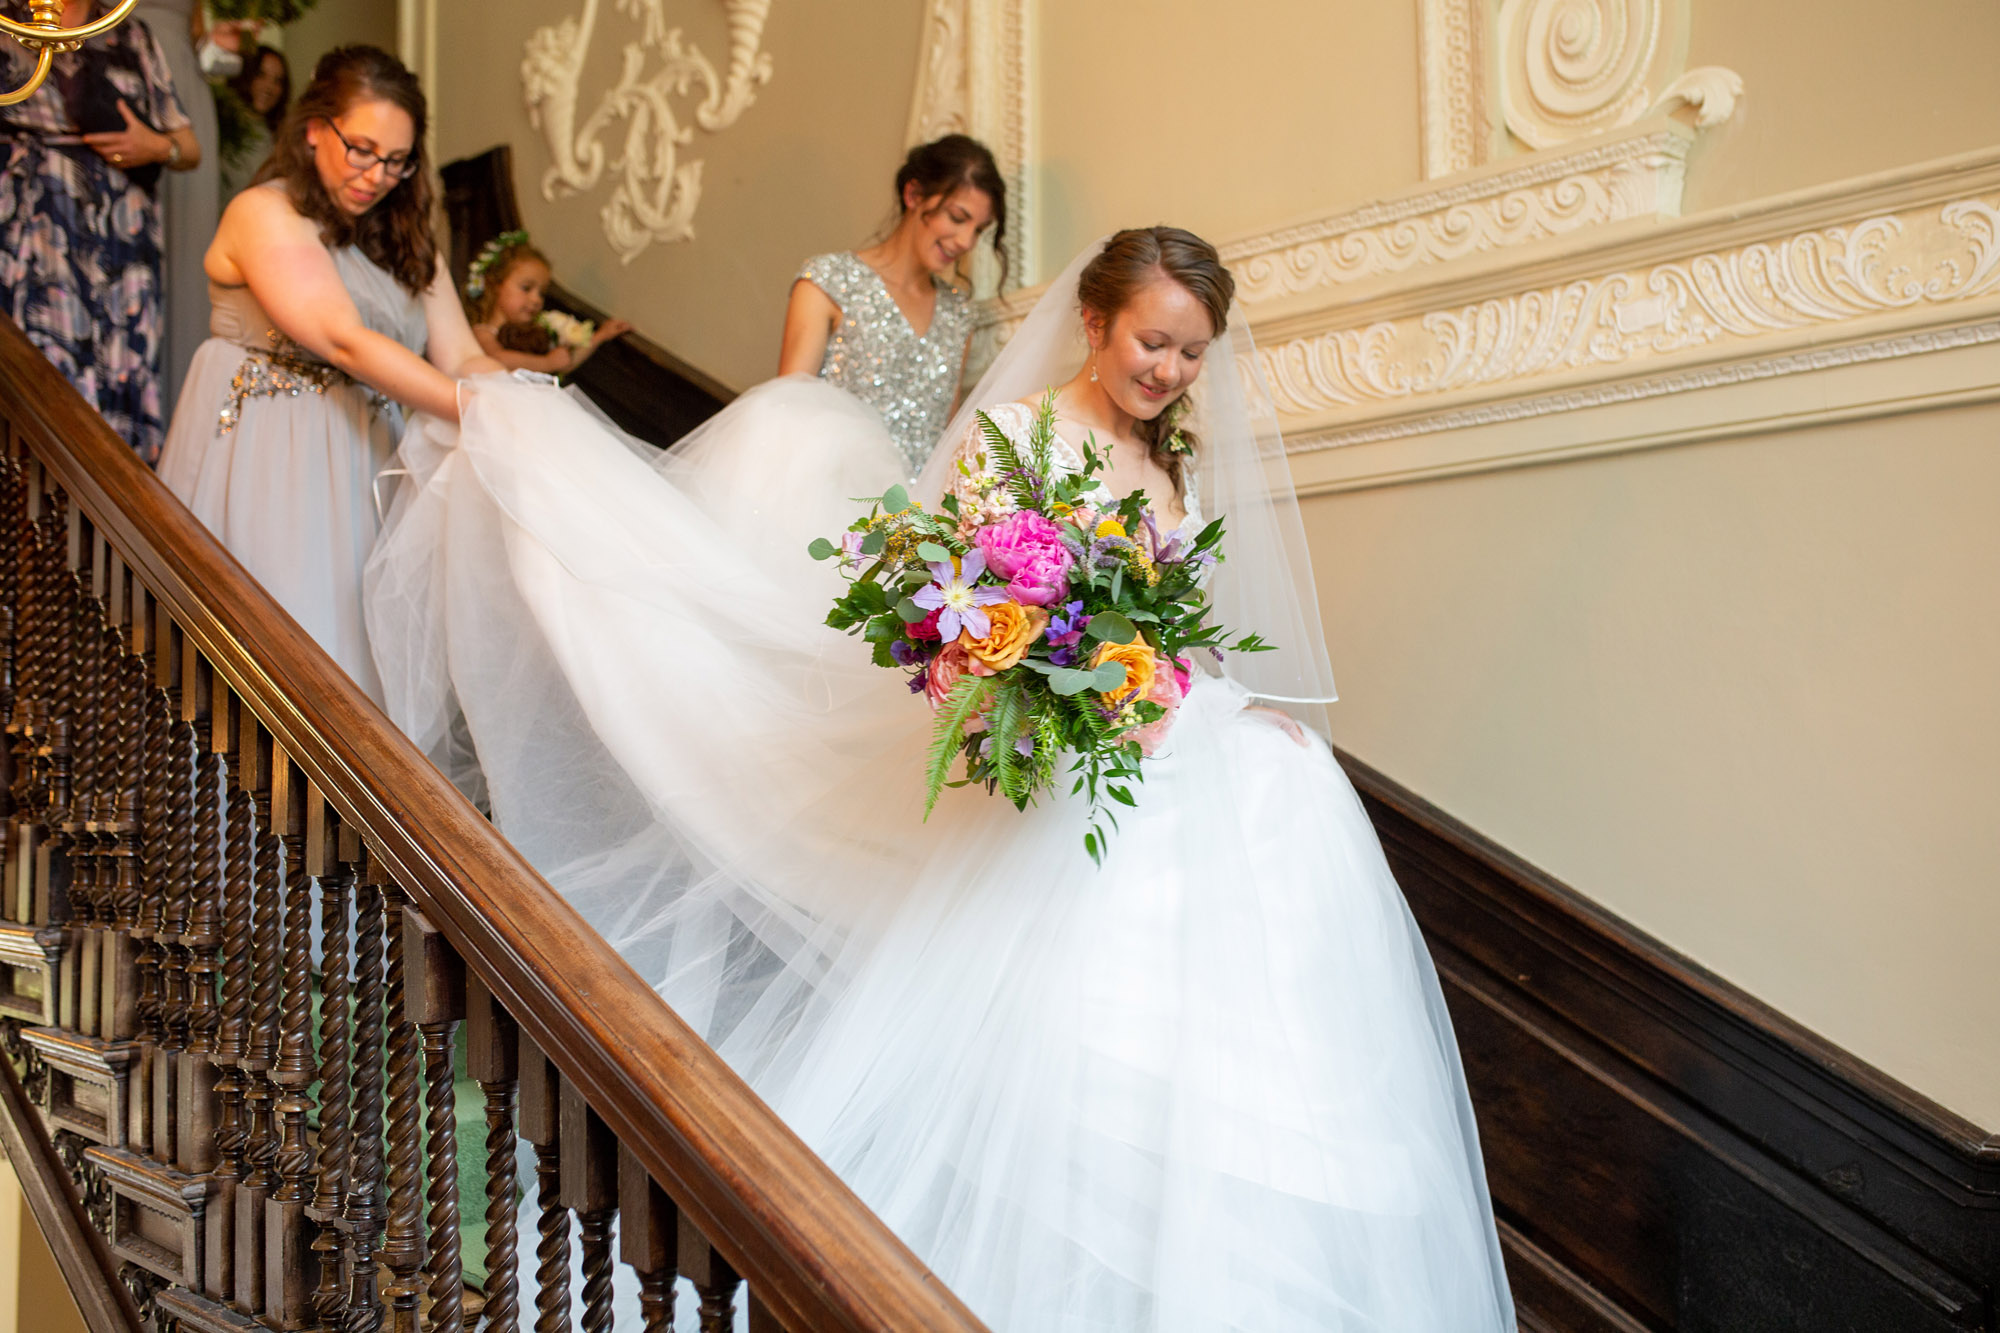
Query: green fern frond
point(1007, 458)
point(949, 733)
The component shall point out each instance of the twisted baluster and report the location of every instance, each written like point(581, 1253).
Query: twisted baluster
point(336, 992)
point(296, 1064)
point(594, 1228)
point(180, 876)
point(233, 1036)
point(503, 1301)
point(403, 1244)
point(552, 1249)
point(364, 1184)
point(204, 923)
point(447, 1284)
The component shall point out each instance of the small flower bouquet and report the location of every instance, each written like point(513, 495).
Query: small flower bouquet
point(1041, 621)
point(567, 330)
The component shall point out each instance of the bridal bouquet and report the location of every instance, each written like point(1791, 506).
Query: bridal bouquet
point(1045, 620)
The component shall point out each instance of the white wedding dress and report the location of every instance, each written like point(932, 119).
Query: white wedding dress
point(1210, 1086)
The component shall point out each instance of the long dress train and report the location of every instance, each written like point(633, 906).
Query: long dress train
point(1209, 1086)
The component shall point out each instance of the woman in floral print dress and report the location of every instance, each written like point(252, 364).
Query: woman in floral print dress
point(79, 222)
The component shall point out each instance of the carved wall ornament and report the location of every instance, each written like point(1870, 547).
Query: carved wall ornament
point(1574, 68)
point(1633, 177)
point(1455, 118)
point(975, 76)
point(1824, 277)
point(656, 191)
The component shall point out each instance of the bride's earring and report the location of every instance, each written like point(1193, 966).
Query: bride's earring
point(1093, 367)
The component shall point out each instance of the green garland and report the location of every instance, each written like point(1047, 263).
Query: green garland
point(236, 124)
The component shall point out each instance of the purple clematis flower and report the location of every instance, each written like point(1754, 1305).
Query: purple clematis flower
point(953, 595)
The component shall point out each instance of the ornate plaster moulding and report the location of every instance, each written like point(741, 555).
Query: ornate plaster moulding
point(1636, 174)
point(1919, 267)
point(975, 76)
point(656, 193)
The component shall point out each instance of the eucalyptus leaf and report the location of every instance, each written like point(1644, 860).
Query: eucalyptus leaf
point(822, 549)
point(910, 611)
point(895, 500)
point(1111, 627)
point(873, 543)
point(932, 552)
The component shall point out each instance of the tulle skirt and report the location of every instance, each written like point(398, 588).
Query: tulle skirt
point(290, 492)
point(1210, 1085)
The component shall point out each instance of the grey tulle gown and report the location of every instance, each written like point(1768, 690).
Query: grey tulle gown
point(190, 201)
point(277, 453)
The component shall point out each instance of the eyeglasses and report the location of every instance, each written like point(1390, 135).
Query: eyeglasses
point(400, 166)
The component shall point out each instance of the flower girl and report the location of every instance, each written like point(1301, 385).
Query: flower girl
point(504, 293)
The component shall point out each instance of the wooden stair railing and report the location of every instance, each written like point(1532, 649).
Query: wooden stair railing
point(189, 785)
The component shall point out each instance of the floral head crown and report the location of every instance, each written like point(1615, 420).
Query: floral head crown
point(475, 278)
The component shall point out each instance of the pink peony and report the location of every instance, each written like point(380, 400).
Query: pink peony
point(1169, 688)
point(1026, 550)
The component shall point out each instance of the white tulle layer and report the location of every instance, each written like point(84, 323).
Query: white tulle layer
point(1211, 1086)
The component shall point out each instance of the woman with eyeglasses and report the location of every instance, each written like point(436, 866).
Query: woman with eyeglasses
point(333, 314)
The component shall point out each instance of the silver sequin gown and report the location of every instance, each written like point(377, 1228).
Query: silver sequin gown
point(877, 356)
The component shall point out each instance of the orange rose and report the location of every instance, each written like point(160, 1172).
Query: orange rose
point(1010, 629)
point(1140, 666)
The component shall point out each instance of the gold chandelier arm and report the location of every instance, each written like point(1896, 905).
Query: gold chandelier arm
point(45, 38)
point(43, 60)
point(39, 34)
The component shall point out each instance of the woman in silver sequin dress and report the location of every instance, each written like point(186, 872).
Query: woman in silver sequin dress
point(861, 395)
point(328, 293)
point(854, 316)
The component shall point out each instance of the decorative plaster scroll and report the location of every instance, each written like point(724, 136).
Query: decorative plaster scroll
point(1977, 334)
point(657, 193)
point(943, 101)
point(1633, 177)
point(1573, 68)
point(1819, 278)
point(975, 76)
point(1454, 103)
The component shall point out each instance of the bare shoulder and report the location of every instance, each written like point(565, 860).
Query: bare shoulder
point(265, 211)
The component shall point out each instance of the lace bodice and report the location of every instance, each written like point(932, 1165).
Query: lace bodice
point(974, 484)
point(875, 355)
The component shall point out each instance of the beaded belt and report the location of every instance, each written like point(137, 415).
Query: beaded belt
point(286, 369)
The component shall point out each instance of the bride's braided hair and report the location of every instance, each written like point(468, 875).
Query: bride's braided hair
point(1129, 261)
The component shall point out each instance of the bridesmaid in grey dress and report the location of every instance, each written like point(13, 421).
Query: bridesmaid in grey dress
point(889, 324)
point(332, 313)
point(189, 200)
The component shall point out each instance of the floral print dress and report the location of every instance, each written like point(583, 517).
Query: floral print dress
point(80, 238)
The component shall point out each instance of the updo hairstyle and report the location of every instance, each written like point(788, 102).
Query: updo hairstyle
point(944, 165)
point(1129, 261)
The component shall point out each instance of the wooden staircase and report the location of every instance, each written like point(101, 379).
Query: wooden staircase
point(219, 1129)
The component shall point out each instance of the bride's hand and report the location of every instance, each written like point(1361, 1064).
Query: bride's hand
point(1285, 722)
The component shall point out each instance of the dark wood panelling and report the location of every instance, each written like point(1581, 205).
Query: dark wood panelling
point(642, 386)
point(1665, 1152)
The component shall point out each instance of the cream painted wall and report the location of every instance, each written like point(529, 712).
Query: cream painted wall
point(33, 1296)
point(1223, 120)
point(1840, 88)
point(339, 23)
point(810, 167)
point(1740, 693)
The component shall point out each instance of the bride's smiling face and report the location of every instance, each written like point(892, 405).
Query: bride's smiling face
point(1152, 350)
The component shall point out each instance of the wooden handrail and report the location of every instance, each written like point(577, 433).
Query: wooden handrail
point(814, 1255)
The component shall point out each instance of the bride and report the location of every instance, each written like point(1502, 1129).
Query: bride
point(1210, 1085)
